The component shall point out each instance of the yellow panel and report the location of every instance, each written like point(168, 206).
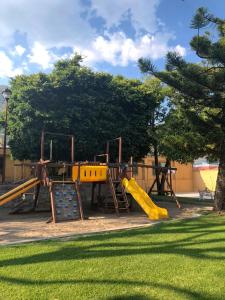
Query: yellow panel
point(90, 173)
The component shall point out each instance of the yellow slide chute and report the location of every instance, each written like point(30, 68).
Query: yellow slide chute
point(18, 191)
point(150, 208)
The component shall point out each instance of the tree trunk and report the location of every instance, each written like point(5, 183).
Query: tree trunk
point(157, 168)
point(219, 201)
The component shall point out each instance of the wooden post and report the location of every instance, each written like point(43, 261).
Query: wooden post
point(131, 169)
point(42, 144)
point(5, 143)
point(119, 155)
point(72, 149)
point(120, 149)
point(52, 202)
point(173, 194)
point(79, 200)
point(107, 149)
point(78, 175)
point(151, 187)
point(171, 181)
point(50, 151)
point(37, 191)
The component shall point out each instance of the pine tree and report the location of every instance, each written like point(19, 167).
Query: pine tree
point(202, 90)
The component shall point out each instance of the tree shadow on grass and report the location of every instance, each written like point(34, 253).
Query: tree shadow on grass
point(128, 297)
point(199, 243)
point(186, 226)
point(179, 291)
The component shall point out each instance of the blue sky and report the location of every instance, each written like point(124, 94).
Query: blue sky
point(110, 34)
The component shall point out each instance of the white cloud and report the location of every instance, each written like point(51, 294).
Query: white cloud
point(47, 25)
point(18, 50)
point(141, 12)
point(7, 69)
point(180, 50)
point(17, 71)
point(118, 50)
point(40, 55)
point(43, 57)
point(53, 23)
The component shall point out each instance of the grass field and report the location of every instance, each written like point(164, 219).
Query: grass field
point(172, 260)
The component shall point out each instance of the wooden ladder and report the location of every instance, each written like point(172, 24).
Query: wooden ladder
point(120, 200)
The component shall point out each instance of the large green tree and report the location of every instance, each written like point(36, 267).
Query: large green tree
point(160, 93)
point(72, 99)
point(201, 89)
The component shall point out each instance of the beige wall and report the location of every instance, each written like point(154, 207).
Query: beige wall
point(15, 173)
point(205, 178)
point(182, 180)
point(185, 180)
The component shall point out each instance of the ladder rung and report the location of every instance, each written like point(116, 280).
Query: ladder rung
point(119, 198)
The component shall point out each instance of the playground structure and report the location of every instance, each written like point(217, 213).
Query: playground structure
point(65, 192)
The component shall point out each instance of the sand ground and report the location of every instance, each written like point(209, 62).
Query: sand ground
point(30, 227)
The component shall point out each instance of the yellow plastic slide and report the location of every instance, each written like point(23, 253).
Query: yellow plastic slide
point(150, 208)
point(18, 191)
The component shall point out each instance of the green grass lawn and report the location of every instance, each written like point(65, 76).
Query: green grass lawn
point(172, 260)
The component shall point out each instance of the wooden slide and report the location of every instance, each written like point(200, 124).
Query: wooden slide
point(18, 191)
